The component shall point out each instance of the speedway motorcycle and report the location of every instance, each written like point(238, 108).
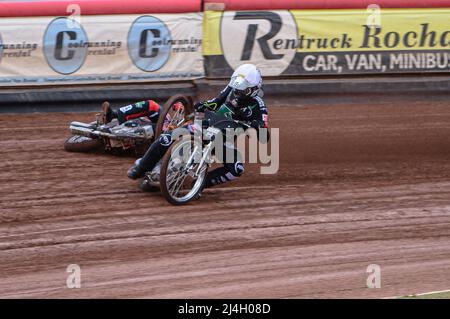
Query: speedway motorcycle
point(181, 173)
point(134, 135)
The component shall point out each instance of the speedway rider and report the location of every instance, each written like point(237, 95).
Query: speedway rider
point(147, 109)
point(242, 97)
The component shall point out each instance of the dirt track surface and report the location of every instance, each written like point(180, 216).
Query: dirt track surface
point(358, 185)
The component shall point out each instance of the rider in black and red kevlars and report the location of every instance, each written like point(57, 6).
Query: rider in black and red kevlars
point(149, 109)
point(242, 97)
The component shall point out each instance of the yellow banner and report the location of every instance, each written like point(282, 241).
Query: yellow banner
point(347, 30)
point(328, 41)
point(359, 30)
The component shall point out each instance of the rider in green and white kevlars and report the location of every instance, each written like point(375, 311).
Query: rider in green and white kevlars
point(242, 101)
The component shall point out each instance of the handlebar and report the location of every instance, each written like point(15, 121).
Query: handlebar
point(217, 118)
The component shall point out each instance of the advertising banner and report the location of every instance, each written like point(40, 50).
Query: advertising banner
point(239, 5)
point(35, 8)
point(319, 42)
point(100, 49)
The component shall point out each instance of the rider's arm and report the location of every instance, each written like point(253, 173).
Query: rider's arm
point(215, 103)
point(261, 121)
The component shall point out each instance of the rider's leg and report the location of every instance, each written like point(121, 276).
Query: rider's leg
point(224, 174)
point(153, 155)
point(144, 108)
point(229, 171)
point(108, 113)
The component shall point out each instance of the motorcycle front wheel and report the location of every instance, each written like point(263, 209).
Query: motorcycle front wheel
point(182, 179)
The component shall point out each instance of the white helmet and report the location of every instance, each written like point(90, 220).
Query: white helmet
point(246, 81)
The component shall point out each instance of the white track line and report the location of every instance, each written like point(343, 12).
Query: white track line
point(421, 294)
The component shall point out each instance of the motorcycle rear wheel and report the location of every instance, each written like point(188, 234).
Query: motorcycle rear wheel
point(170, 115)
point(78, 143)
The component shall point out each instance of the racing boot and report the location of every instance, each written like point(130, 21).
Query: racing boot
point(150, 159)
point(136, 172)
point(107, 113)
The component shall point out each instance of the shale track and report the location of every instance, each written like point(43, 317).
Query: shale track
point(357, 185)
